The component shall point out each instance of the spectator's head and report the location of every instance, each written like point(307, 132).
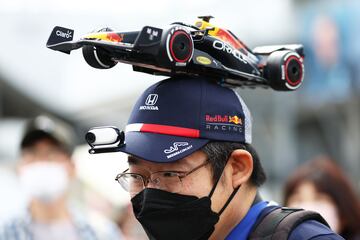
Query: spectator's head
point(45, 166)
point(178, 117)
point(326, 40)
point(191, 139)
point(321, 186)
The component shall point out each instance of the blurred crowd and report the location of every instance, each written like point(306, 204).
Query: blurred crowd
point(329, 116)
point(46, 173)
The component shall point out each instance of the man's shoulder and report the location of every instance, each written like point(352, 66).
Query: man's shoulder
point(14, 228)
point(294, 223)
point(14, 221)
point(313, 230)
point(95, 222)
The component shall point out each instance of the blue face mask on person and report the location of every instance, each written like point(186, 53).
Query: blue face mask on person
point(165, 215)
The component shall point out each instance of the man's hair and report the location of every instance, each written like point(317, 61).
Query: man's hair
point(218, 154)
point(35, 136)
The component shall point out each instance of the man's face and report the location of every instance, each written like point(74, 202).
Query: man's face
point(44, 172)
point(199, 183)
point(46, 151)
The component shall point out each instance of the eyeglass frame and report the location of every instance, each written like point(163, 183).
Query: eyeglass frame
point(181, 174)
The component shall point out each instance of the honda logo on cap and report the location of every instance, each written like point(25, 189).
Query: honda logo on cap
point(151, 99)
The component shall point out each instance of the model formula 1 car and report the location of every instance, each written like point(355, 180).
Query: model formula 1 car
point(197, 50)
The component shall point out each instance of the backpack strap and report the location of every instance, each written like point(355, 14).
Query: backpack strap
point(278, 223)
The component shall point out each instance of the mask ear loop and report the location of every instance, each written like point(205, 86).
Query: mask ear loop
point(230, 197)
point(229, 200)
point(216, 183)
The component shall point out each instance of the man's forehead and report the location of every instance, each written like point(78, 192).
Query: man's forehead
point(42, 144)
point(44, 147)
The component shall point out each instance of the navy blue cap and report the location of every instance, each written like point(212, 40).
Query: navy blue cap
point(177, 116)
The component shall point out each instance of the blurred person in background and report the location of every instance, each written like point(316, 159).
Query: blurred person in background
point(45, 174)
point(331, 76)
point(320, 185)
point(327, 97)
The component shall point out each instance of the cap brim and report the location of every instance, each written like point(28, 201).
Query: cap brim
point(160, 148)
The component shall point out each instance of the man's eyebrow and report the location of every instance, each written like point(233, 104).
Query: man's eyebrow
point(132, 160)
point(183, 166)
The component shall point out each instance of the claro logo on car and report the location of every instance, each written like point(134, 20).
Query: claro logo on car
point(63, 35)
point(227, 48)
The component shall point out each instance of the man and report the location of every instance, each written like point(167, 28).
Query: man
point(45, 173)
point(193, 173)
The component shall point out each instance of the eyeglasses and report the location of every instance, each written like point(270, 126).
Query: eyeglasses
point(170, 181)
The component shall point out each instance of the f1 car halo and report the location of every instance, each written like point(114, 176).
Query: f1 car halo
point(196, 50)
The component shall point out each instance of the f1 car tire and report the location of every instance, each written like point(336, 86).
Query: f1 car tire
point(284, 70)
point(97, 57)
point(179, 46)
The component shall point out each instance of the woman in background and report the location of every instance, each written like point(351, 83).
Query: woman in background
point(321, 186)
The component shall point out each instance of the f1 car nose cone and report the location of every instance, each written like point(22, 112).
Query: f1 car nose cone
point(181, 46)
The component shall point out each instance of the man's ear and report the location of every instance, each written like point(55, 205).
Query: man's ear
point(241, 163)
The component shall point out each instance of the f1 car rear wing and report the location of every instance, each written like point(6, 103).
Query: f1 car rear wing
point(267, 50)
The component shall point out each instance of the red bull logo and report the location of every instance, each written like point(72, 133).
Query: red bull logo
point(114, 37)
point(223, 119)
point(235, 119)
point(216, 119)
point(105, 36)
point(228, 38)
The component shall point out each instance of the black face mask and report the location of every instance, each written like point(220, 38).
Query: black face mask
point(172, 216)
